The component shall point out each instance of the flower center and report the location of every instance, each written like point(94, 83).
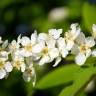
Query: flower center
point(28, 47)
point(29, 72)
point(17, 64)
point(83, 48)
point(13, 46)
point(69, 36)
point(45, 50)
point(1, 63)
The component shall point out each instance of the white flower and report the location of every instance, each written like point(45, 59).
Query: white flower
point(83, 49)
point(46, 51)
point(63, 52)
point(55, 33)
point(94, 31)
point(29, 74)
point(15, 45)
point(72, 35)
point(18, 63)
point(27, 44)
point(5, 65)
point(49, 53)
point(5, 68)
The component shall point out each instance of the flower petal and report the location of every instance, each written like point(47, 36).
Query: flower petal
point(75, 49)
point(90, 41)
point(69, 45)
point(58, 59)
point(61, 43)
point(80, 59)
point(55, 33)
point(2, 73)
point(64, 53)
point(25, 40)
point(94, 31)
point(37, 48)
point(75, 30)
point(5, 44)
point(53, 53)
point(81, 38)
point(44, 59)
point(88, 53)
point(23, 66)
point(94, 53)
point(34, 38)
point(51, 43)
point(4, 55)
point(26, 77)
point(42, 37)
point(8, 67)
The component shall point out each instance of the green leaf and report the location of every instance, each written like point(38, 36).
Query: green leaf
point(89, 15)
point(82, 94)
point(80, 80)
point(59, 76)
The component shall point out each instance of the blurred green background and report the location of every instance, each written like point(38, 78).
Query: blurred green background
point(25, 16)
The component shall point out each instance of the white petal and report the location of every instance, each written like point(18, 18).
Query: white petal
point(88, 53)
point(81, 38)
point(51, 43)
point(75, 30)
point(23, 66)
point(94, 53)
point(73, 27)
point(29, 61)
point(94, 28)
point(42, 37)
point(1, 40)
point(55, 33)
point(14, 42)
point(90, 41)
point(44, 59)
point(2, 73)
point(8, 67)
point(25, 53)
point(61, 43)
point(53, 53)
point(34, 38)
point(58, 59)
point(80, 59)
point(25, 40)
point(64, 53)
point(94, 31)
point(37, 48)
point(36, 57)
point(26, 77)
point(4, 54)
point(70, 44)
point(19, 39)
point(75, 49)
point(33, 76)
point(5, 44)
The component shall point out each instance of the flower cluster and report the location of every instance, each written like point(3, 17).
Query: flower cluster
point(43, 48)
